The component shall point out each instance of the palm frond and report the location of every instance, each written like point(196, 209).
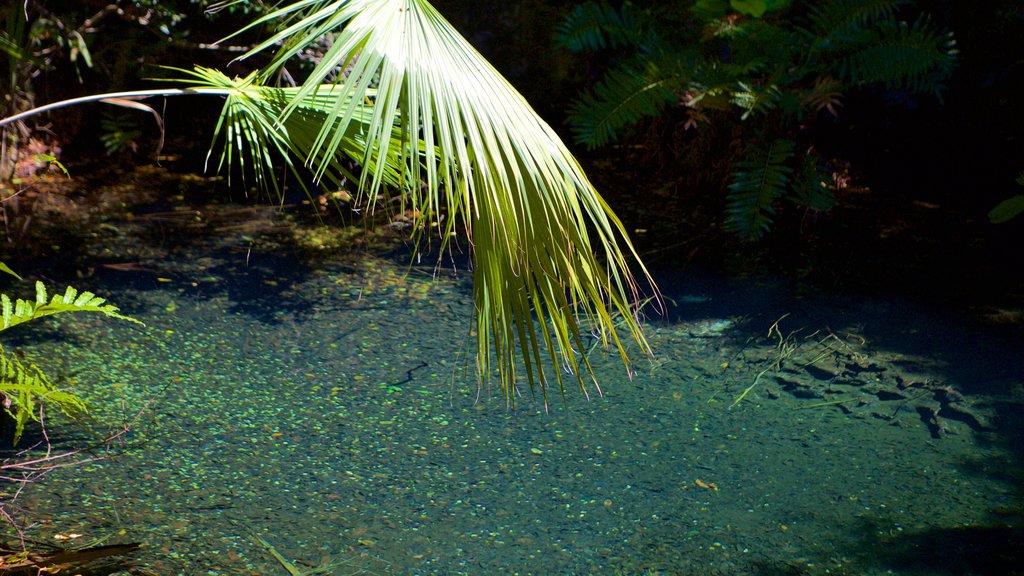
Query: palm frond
point(597, 25)
point(757, 182)
point(255, 138)
point(486, 159)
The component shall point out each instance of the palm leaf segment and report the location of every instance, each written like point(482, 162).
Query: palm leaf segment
point(414, 89)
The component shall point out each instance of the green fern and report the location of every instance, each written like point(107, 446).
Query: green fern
point(842, 18)
point(755, 99)
point(627, 94)
point(914, 57)
point(20, 311)
point(757, 182)
point(811, 187)
point(770, 67)
point(597, 25)
point(23, 385)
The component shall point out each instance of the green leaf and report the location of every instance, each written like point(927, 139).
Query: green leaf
point(1007, 210)
point(757, 182)
point(421, 110)
point(755, 8)
point(627, 94)
point(79, 47)
point(597, 25)
point(710, 9)
point(5, 268)
point(776, 5)
point(70, 301)
point(23, 386)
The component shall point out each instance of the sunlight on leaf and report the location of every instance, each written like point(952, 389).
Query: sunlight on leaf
point(419, 109)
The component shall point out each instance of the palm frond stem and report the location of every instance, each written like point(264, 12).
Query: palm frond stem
point(129, 95)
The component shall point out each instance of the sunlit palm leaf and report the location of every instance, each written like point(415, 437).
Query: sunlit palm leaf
point(256, 140)
point(486, 159)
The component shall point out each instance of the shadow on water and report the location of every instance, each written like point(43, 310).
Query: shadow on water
point(961, 551)
point(948, 346)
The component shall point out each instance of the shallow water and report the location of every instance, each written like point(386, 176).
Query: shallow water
point(324, 410)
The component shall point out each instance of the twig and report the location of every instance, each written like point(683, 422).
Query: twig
point(832, 403)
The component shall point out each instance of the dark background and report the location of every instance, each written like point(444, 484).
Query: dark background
point(926, 172)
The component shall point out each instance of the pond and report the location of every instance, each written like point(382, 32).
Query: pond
point(312, 410)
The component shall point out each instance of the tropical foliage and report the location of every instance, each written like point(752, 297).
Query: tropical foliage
point(401, 104)
point(23, 385)
point(767, 69)
point(403, 95)
point(64, 47)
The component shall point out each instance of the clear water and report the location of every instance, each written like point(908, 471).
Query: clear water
point(324, 409)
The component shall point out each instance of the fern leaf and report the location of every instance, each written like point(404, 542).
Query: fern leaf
point(627, 94)
point(811, 186)
point(837, 19)
point(757, 182)
point(23, 309)
point(8, 309)
point(593, 26)
point(70, 301)
point(69, 296)
point(755, 100)
point(23, 386)
point(87, 299)
point(916, 57)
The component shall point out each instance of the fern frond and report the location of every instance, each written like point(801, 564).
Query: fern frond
point(20, 311)
point(23, 386)
point(839, 18)
point(755, 99)
point(757, 182)
point(916, 57)
point(627, 94)
point(826, 94)
point(811, 187)
point(596, 25)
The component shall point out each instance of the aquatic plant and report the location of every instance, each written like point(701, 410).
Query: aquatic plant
point(23, 385)
point(422, 113)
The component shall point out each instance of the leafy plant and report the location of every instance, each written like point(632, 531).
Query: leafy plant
point(120, 134)
point(23, 385)
point(758, 181)
point(402, 94)
point(1010, 208)
point(465, 150)
point(773, 65)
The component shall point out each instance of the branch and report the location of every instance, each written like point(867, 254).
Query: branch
point(136, 94)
